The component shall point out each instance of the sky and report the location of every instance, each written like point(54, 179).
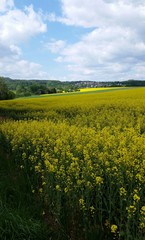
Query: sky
point(72, 40)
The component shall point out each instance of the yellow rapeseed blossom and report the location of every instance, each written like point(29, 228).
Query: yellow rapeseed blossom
point(131, 210)
point(82, 203)
point(122, 192)
point(136, 197)
point(58, 187)
point(92, 209)
point(114, 228)
point(89, 149)
point(142, 211)
point(99, 180)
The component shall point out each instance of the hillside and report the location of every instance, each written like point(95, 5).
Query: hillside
point(23, 88)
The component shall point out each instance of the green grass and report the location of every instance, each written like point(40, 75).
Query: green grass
point(19, 210)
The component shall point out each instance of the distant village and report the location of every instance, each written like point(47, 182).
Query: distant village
point(93, 84)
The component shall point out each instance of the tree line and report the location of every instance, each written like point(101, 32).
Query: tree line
point(22, 89)
point(5, 93)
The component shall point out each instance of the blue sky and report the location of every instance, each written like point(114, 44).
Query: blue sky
point(70, 40)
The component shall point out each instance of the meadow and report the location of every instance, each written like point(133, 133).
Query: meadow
point(82, 160)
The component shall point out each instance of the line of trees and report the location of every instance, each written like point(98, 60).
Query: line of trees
point(5, 93)
point(34, 89)
point(22, 89)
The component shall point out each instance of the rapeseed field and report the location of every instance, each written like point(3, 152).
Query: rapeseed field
point(98, 89)
point(85, 159)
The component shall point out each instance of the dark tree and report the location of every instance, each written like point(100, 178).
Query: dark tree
point(4, 91)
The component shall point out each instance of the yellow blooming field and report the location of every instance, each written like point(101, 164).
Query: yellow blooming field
point(84, 156)
point(98, 89)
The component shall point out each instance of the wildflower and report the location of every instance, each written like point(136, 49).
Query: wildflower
point(114, 228)
point(82, 203)
point(65, 189)
point(131, 210)
point(142, 211)
point(57, 188)
point(99, 180)
point(122, 192)
point(139, 177)
point(37, 168)
point(136, 197)
point(142, 225)
point(92, 209)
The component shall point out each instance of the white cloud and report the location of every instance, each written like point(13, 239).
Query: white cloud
point(115, 49)
point(104, 53)
point(55, 46)
point(11, 51)
point(21, 69)
point(5, 5)
point(13, 65)
point(98, 13)
point(16, 26)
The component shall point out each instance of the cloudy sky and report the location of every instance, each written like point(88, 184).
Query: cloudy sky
point(101, 40)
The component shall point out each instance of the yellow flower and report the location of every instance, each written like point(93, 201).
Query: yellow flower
point(131, 210)
point(65, 189)
point(142, 211)
point(122, 192)
point(92, 209)
point(142, 225)
point(136, 198)
point(57, 188)
point(114, 228)
point(99, 180)
point(81, 201)
point(43, 183)
point(37, 168)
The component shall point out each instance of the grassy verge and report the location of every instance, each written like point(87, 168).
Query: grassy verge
point(19, 211)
